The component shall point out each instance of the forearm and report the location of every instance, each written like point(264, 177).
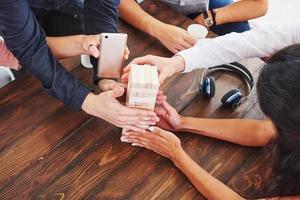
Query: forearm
point(132, 13)
point(239, 131)
point(26, 40)
point(258, 42)
point(241, 11)
point(68, 46)
point(204, 182)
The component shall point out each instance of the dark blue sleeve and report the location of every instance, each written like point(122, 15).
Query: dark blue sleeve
point(24, 37)
point(100, 16)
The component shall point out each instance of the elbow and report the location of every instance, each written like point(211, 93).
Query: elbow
point(267, 133)
point(262, 8)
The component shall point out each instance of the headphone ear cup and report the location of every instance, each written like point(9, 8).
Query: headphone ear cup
point(231, 98)
point(209, 87)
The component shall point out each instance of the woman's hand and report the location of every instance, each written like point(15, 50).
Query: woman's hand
point(91, 43)
point(169, 118)
point(107, 107)
point(160, 141)
point(174, 38)
point(109, 84)
point(165, 66)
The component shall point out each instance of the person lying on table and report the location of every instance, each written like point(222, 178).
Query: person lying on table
point(229, 17)
point(259, 42)
point(278, 89)
point(27, 42)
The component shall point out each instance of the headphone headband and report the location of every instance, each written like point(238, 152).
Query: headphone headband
point(236, 68)
point(233, 97)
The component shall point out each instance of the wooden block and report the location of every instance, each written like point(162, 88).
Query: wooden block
point(143, 86)
point(148, 76)
point(155, 80)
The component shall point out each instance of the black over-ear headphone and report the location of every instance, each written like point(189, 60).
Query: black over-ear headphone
point(234, 97)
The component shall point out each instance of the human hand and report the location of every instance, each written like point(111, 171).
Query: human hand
point(160, 141)
point(109, 84)
point(174, 38)
point(7, 59)
point(165, 66)
point(91, 43)
point(107, 107)
point(169, 118)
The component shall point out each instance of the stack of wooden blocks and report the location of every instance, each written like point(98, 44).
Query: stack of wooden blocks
point(143, 86)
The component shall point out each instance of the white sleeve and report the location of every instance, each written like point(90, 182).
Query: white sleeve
point(258, 42)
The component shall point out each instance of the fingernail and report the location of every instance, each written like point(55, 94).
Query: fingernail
point(151, 128)
point(124, 139)
point(134, 144)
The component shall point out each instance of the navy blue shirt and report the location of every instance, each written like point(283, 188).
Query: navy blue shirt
point(26, 40)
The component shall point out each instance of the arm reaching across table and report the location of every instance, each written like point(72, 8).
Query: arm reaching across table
point(26, 40)
point(258, 42)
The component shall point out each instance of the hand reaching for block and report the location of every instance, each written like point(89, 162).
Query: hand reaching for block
point(143, 88)
point(107, 107)
point(166, 67)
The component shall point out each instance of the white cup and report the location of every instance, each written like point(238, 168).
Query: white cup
point(85, 61)
point(197, 31)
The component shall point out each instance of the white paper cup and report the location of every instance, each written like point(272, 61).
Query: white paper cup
point(85, 61)
point(197, 31)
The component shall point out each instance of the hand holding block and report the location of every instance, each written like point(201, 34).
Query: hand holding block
point(142, 88)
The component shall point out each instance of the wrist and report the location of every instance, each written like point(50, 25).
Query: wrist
point(81, 43)
point(182, 123)
point(87, 105)
point(178, 64)
point(156, 28)
point(179, 158)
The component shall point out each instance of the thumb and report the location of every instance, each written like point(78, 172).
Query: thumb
point(118, 91)
point(162, 77)
point(167, 106)
point(155, 129)
point(93, 50)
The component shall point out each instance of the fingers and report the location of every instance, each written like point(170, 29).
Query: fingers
point(142, 122)
point(140, 61)
point(127, 53)
point(189, 39)
point(160, 99)
point(124, 78)
point(118, 91)
point(134, 128)
point(93, 51)
point(132, 136)
point(138, 112)
point(146, 139)
point(160, 132)
point(160, 111)
point(106, 84)
point(162, 77)
point(167, 106)
point(185, 45)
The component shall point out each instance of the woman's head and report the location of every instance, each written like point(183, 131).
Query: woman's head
point(278, 90)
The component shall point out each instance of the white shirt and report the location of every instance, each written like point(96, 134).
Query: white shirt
point(258, 42)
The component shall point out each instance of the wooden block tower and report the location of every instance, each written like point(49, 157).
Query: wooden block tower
point(143, 86)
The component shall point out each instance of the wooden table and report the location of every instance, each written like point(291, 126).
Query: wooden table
point(48, 151)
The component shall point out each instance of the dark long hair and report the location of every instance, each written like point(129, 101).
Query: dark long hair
point(278, 90)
